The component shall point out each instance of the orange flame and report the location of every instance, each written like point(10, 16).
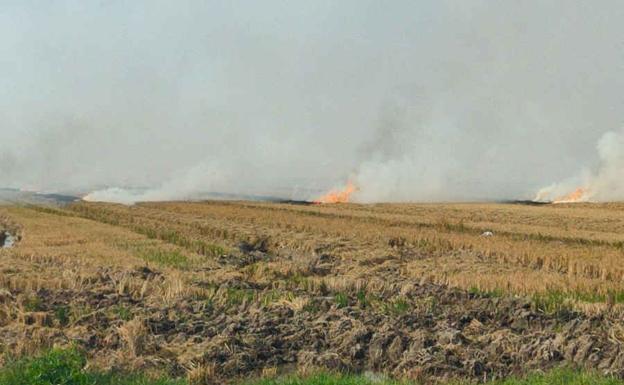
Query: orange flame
point(578, 195)
point(338, 196)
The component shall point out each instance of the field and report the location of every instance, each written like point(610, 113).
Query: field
point(228, 291)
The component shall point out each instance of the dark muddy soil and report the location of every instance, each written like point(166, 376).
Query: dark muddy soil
point(455, 335)
point(7, 239)
point(436, 333)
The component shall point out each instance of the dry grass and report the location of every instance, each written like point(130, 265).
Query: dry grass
point(576, 248)
point(98, 272)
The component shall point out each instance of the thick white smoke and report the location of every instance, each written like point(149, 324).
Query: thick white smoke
point(606, 183)
point(187, 185)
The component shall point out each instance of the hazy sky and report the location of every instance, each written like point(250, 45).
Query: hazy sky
point(413, 100)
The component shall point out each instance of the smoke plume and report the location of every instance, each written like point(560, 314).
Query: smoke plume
point(411, 101)
point(603, 184)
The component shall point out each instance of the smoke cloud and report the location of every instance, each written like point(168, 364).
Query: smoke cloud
point(412, 101)
point(603, 184)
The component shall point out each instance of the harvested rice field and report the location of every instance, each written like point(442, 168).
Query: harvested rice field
point(228, 292)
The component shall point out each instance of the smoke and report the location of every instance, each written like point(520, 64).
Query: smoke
point(605, 183)
point(608, 183)
point(412, 101)
point(187, 185)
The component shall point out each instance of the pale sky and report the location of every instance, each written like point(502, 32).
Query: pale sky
point(415, 100)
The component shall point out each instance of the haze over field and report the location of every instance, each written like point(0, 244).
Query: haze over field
point(412, 101)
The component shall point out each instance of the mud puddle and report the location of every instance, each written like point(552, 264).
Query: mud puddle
point(7, 240)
